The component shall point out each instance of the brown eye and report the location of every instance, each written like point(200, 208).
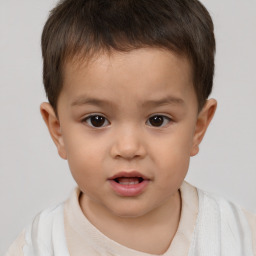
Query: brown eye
point(158, 120)
point(96, 121)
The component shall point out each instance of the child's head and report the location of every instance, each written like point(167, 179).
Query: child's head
point(126, 80)
point(86, 28)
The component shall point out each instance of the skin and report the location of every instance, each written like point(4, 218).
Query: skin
point(127, 89)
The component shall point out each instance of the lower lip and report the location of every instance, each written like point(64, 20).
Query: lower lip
point(129, 190)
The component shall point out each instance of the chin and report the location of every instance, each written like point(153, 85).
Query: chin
point(129, 211)
point(129, 215)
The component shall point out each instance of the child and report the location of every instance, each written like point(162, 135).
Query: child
point(128, 84)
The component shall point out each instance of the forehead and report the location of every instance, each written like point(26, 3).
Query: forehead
point(80, 61)
point(137, 74)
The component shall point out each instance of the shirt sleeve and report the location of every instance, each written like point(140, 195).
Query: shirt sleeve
point(16, 248)
point(251, 218)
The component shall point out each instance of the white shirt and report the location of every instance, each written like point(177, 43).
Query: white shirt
point(199, 231)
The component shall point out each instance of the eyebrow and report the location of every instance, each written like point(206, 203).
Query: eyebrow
point(169, 100)
point(90, 101)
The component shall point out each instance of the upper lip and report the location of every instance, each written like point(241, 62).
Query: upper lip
point(130, 174)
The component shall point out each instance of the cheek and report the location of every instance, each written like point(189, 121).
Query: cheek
point(85, 167)
point(173, 148)
point(85, 156)
point(174, 156)
point(174, 167)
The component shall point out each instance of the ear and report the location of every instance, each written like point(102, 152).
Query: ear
point(54, 128)
point(203, 120)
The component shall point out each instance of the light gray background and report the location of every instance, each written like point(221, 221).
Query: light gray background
point(33, 177)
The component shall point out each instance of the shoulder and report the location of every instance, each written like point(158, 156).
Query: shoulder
point(224, 206)
point(223, 209)
point(44, 236)
point(40, 228)
point(16, 248)
point(251, 218)
point(236, 226)
point(45, 220)
point(46, 233)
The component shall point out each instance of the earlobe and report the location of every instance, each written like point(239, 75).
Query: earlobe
point(203, 120)
point(53, 124)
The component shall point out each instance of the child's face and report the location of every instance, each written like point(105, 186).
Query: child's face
point(128, 124)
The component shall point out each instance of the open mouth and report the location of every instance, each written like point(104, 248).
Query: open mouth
point(128, 180)
point(129, 184)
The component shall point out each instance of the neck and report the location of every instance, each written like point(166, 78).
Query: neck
point(157, 228)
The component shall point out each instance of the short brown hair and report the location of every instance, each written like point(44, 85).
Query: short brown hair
point(88, 27)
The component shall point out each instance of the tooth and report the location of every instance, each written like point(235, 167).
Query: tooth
point(128, 180)
point(129, 183)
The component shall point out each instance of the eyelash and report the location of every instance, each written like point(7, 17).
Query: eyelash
point(88, 120)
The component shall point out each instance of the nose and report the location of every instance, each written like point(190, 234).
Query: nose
point(128, 144)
